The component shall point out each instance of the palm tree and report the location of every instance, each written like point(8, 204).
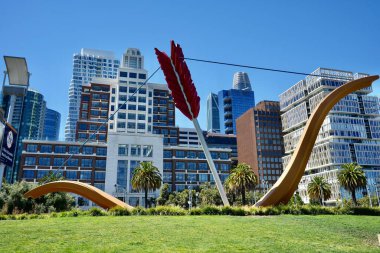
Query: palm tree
point(319, 189)
point(146, 177)
point(352, 177)
point(242, 178)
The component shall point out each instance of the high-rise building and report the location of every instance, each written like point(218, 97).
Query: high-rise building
point(234, 102)
point(87, 64)
point(213, 122)
point(350, 132)
point(52, 124)
point(241, 81)
point(32, 119)
point(260, 143)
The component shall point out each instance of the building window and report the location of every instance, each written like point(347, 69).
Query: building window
point(123, 74)
point(100, 186)
point(224, 156)
point(73, 150)
point(44, 161)
point(167, 165)
point(58, 161)
point(179, 165)
point(45, 149)
point(132, 75)
point(180, 154)
point(224, 167)
point(42, 173)
point(30, 160)
point(121, 178)
point(180, 177)
point(100, 164)
point(60, 149)
point(147, 150)
point(191, 166)
point(100, 175)
point(135, 150)
point(71, 174)
point(72, 162)
point(168, 154)
point(214, 155)
point(123, 150)
point(201, 155)
point(142, 76)
point(85, 175)
point(203, 177)
point(191, 154)
point(88, 150)
point(29, 174)
point(86, 163)
point(167, 178)
point(192, 177)
point(202, 166)
point(31, 148)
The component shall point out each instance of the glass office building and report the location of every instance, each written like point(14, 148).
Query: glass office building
point(350, 133)
point(213, 122)
point(52, 124)
point(232, 104)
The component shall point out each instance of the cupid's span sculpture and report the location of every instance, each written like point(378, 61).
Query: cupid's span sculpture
point(283, 189)
point(90, 192)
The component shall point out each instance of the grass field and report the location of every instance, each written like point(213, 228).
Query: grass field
point(285, 233)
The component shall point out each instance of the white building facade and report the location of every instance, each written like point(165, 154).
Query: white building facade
point(124, 153)
point(350, 132)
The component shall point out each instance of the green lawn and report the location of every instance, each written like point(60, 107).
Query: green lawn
point(283, 233)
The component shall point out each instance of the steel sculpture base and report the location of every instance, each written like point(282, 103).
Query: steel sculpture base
point(283, 189)
point(90, 192)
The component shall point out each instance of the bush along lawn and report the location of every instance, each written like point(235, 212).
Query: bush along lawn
point(206, 210)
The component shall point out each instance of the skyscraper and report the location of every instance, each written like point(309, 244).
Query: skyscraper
point(260, 142)
point(350, 132)
point(234, 102)
point(89, 63)
point(52, 124)
point(213, 122)
point(241, 81)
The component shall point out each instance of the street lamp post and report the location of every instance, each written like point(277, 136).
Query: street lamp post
point(190, 198)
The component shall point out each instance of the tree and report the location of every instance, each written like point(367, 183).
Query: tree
point(164, 195)
point(242, 178)
point(209, 195)
point(352, 177)
point(319, 189)
point(146, 177)
point(51, 177)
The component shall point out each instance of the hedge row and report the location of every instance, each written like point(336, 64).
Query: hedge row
point(207, 210)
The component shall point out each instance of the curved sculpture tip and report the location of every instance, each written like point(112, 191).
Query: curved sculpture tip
point(90, 192)
point(285, 186)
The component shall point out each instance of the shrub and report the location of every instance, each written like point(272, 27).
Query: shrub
point(139, 211)
point(94, 211)
point(22, 217)
point(211, 210)
point(236, 211)
point(3, 217)
point(195, 211)
point(33, 216)
point(365, 211)
point(119, 211)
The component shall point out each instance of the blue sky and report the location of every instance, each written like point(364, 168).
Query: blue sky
point(292, 35)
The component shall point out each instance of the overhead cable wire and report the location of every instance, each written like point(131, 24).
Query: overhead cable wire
point(262, 68)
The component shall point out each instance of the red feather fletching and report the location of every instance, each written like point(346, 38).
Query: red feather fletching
point(179, 81)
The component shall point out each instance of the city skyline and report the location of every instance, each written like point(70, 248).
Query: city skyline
point(261, 36)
